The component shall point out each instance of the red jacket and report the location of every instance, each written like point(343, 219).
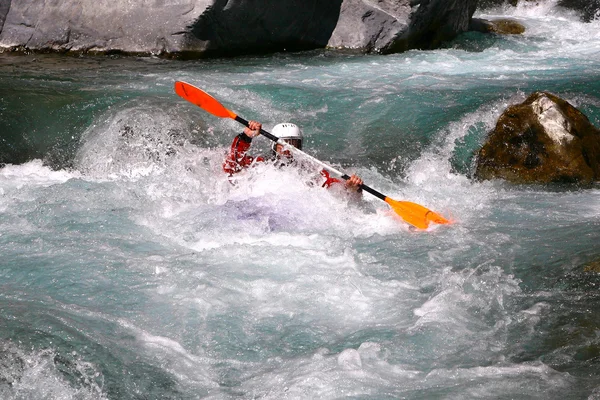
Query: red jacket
point(237, 159)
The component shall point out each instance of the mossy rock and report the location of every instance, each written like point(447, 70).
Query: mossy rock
point(502, 26)
point(542, 140)
point(592, 267)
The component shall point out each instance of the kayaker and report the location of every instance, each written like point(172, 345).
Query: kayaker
point(237, 159)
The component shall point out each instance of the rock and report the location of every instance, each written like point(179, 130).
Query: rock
point(394, 26)
point(483, 4)
point(102, 26)
point(201, 27)
point(594, 266)
point(237, 27)
point(4, 6)
point(362, 25)
point(433, 22)
point(503, 26)
point(542, 140)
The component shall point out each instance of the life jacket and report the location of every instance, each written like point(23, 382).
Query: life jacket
point(237, 159)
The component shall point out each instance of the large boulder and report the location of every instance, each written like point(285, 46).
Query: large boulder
point(136, 26)
point(394, 26)
point(433, 22)
point(238, 27)
point(542, 140)
point(361, 25)
point(198, 27)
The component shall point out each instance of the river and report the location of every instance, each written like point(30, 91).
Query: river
point(132, 267)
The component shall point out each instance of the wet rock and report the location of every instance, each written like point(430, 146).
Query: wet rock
point(542, 140)
point(362, 25)
point(503, 26)
point(431, 23)
point(593, 267)
point(201, 27)
point(237, 27)
point(394, 26)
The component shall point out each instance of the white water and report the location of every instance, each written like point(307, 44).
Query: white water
point(150, 275)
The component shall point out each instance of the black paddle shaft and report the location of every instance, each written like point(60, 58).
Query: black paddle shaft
point(262, 131)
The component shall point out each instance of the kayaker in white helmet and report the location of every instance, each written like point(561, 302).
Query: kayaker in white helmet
point(289, 133)
point(237, 159)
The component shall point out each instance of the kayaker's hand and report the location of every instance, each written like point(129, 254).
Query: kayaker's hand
point(354, 182)
point(253, 129)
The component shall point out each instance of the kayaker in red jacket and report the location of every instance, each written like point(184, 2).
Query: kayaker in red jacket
point(237, 159)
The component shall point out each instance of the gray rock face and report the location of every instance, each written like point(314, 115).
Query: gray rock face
point(4, 6)
point(238, 26)
point(436, 21)
point(371, 26)
point(230, 26)
point(99, 25)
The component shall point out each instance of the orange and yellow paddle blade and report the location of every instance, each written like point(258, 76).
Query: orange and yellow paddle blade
point(415, 214)
point(202, 99)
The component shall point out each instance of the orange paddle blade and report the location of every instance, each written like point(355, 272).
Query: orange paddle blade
point(202, 99)
point(415, 214)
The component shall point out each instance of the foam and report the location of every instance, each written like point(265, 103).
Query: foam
point(38, 374)
point(32, 173)
point(189, 368)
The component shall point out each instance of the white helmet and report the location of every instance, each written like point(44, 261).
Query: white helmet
point(288, 132)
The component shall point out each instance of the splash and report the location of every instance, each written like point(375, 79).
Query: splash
point(136, 140)
point(44, 375)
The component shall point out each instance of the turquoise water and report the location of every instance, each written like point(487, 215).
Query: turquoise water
point(132, 268)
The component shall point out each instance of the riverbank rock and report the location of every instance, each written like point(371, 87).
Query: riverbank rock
point(542, 140)
point(432, 22)
point(229, 27)
point(503, 26)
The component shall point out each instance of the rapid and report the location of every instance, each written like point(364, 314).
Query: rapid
point(132, 267)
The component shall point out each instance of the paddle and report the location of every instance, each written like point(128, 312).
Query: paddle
point(413, 213)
